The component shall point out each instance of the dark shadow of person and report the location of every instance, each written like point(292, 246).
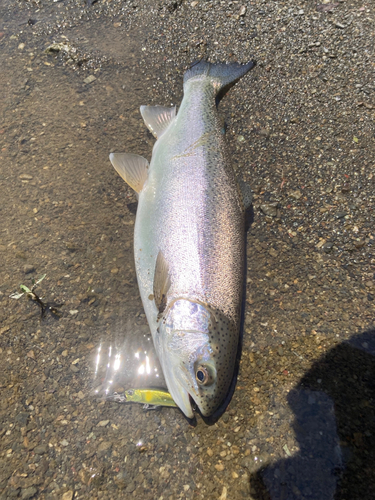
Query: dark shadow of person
point(334, 407)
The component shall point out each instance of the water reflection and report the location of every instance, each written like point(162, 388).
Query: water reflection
point(334, 407)
point(128, 361)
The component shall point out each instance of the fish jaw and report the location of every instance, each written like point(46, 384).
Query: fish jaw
point(178, 392)
point(188, 346)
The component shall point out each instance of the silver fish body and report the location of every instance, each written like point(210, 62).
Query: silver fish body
point(189, 243)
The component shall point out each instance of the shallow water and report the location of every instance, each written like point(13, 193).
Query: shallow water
point(301, 422)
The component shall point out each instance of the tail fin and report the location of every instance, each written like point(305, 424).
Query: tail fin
point(223, 76)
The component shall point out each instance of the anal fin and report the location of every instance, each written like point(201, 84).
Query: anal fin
point(132, 168)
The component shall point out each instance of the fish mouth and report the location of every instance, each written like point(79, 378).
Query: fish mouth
point(176, 378)
point(179, 393)
point(183, 400)
point(189, 407)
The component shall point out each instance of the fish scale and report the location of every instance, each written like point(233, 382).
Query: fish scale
point(189, 241)
point(196, 218)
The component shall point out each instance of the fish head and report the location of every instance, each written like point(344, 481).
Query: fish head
point(197, 348)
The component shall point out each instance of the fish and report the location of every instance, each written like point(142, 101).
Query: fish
point(150, 398)
point(189, 240)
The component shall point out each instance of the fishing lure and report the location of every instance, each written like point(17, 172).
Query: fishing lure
point(150, 398)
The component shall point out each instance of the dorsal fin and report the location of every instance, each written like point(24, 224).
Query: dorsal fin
point(162, 282)
point(157, 118)
point(132, 168)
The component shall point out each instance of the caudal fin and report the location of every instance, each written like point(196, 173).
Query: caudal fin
point(222, 75)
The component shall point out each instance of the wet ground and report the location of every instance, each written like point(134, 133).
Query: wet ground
point(301, 424)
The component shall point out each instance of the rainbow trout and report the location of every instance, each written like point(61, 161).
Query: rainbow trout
point(189, 240)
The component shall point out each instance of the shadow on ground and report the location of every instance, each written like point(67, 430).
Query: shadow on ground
point(334, 407)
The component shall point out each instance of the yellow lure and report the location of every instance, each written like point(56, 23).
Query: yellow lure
point(147, 397)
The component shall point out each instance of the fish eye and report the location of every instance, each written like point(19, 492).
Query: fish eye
point(203, 376)
point(130, 392)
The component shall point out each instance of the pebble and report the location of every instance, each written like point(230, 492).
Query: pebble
point(41, 449)
point(28, 268)
point(31, 354)
point(247, 462)
point(90, 79)
point(341, 215)
point(72, 247)
point(103, 423)
point(104, 446)
point(243, 10)
point(264, 132)
point(225, 418)
point(131, 487)
point(224, 492)
point(28, 492)
point(327, 247)
point(295, 194)
point(68, 495)
point(22, 418)
point(121, 480)
point(269, 209)
point(27, 177)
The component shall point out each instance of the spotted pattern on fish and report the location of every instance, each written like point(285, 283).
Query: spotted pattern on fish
point(224, 343)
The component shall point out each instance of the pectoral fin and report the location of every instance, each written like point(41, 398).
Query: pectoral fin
point(132, 168)
point(162, 282)
point(157, 118)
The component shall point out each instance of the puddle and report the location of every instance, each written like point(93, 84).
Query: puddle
point(67, 213)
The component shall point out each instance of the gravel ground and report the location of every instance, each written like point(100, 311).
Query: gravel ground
point(300, 128)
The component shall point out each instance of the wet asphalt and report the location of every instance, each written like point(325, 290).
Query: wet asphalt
point(300, 131)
